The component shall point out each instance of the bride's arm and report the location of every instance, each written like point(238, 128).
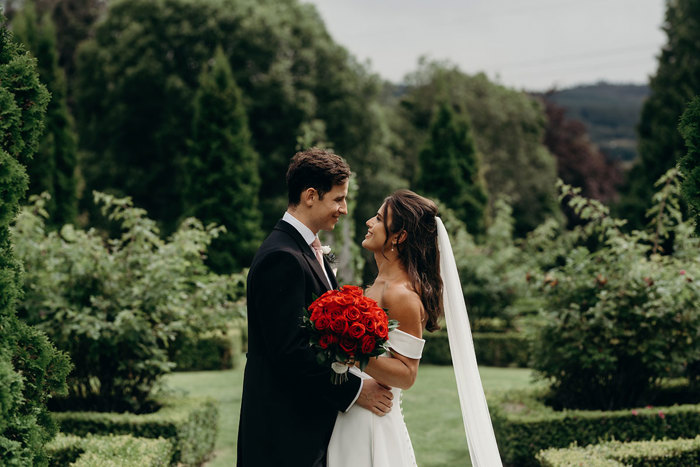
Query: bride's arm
point(399, 371)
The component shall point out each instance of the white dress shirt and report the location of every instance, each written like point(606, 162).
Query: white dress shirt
point(308, 236)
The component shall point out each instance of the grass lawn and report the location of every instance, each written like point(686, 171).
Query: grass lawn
point(431, 409)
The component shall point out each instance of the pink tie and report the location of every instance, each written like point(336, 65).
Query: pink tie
point(316, 245)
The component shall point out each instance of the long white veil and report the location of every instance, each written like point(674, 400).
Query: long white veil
point(475, 413)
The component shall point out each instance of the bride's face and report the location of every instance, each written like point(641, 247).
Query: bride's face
point(376, 231)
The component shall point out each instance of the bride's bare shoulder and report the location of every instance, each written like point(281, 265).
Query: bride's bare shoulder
point(404, 305)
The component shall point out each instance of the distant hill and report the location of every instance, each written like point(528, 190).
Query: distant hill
point(610, 112)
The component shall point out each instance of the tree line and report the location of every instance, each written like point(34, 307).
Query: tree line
point(194, 107)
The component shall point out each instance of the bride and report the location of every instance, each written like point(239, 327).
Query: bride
point(417, 279)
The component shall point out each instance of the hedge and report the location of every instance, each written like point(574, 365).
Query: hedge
point(214, 351)
point(614, 453)
point(108, 451)
point(492, 349)
point(190, 424)
point(524, 425)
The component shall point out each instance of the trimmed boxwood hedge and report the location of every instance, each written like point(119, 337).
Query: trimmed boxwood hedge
point(190, 424)
point(492, 349)
point(665, 453)
point(108, 451)
point(214, 351)
point(524, 425)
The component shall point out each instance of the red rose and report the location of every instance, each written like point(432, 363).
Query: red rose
point(322, 322)
point(348, 344)
point(368, 323)
point(344, 300)
point(332, 305)
point(380, 315)
point(335, 313)
point(352, 290)
point(316, 314)
point(368, 344)
point(339, 325)
point(353, 314)
point(381, 330)
point(356, 330)
point(325, 341)
point(329, 294)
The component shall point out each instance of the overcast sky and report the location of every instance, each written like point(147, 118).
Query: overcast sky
point(526, 44)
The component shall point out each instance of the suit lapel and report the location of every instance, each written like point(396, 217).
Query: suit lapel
point(306, 251)
point(331, 276)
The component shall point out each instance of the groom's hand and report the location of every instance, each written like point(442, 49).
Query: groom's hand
point(375, 397)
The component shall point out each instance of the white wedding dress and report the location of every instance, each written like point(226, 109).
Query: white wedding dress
point(363, 439)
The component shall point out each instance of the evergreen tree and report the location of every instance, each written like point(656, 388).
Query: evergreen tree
point(449, 169)
point(690, 162)
point(221, 170)
point(508, 128)
point(30, 367)
point(138, 73)
point(53, 167)
point(676, 81)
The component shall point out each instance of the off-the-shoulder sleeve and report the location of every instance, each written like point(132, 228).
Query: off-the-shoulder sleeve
point(406, 344)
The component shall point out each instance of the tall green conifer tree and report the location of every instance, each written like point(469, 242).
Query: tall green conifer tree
point(690, 162)
point(221, 169)
point(30, 366)
point(676, 81)
point(449, 168)
point(53, 167)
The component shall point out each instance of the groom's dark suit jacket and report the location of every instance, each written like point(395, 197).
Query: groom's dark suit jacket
point(289, 405)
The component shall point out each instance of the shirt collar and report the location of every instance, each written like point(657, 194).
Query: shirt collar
point(305, 232)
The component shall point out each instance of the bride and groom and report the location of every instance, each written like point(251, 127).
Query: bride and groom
point(291, 413)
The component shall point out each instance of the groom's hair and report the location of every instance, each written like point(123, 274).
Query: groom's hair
point(315, 168)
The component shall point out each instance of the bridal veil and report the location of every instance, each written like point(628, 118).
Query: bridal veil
point(475, 412)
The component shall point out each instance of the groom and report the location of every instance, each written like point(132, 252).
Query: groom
point(289, 405)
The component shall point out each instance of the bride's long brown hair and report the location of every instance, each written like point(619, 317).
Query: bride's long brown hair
point(418, 252)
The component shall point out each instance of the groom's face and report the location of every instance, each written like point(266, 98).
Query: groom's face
point(326, 211)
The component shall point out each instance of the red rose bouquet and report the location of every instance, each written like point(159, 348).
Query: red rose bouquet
point(344, 327)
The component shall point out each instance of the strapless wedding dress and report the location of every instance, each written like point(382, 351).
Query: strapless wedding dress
point(362, 439)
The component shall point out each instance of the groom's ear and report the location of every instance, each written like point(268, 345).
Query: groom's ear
point(308, 196)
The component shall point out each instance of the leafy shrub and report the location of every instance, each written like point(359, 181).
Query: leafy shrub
point(524, 425)
point(109, 451)
point(493, 273)
point(620, 316)
point(437, 348)
point(667, 453)
point(190, 425)
point(492, 349)
point(211, 351)
point(119, 306)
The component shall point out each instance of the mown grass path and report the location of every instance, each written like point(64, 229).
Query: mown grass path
point(431, 409)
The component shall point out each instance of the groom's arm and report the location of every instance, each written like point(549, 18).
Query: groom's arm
point(279, 295)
